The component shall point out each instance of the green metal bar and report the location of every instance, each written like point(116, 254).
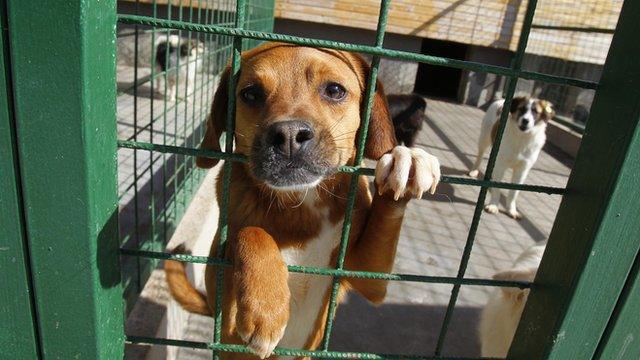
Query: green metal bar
point(620, 338)
point(596, 236)
point(183, 201)
point(152, 211)
point(175, 116)
point(210, 16)
point(371, 50)
point(165, 222)
point(573, 28)
point(516, 65)
point(346, 169)
point(223, 226)
point(65, 116)
point(285, 352)
point(190, 141)
point(334, 272)
point(19, 332)
point(353, 186)
point(136, 203)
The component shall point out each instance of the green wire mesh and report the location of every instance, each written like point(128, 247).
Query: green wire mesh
point(247, 22)
point(156, 187)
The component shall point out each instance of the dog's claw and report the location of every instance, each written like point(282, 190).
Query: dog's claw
point(394, 170)
point(260, 342)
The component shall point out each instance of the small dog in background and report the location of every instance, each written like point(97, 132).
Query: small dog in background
point(181, 59)
point(524, 136)
point(500, 317)
point(407, 113)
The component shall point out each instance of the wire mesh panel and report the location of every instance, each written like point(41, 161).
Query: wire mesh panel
point(63, 244)
point(166, 79)
point(239, 28)
point(568, 39)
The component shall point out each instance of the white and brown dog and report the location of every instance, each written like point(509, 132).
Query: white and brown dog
point(297, 121)
point(180, 59)
point(501, 315)
point(524, 136)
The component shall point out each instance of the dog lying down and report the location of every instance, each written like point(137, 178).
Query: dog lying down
point(407, 113)
point(297, 121)
point(500, 317)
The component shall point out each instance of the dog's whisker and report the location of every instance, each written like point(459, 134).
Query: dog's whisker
point(331, 193)
point(303, 198)
point(271, 197)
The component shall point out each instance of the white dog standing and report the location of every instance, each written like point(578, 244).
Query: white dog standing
point(524, 136)
point(500, 317)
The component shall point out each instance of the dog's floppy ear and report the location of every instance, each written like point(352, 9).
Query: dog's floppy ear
point(516, 102)
point(215, 122)
point(548, 112)
point(381, 137)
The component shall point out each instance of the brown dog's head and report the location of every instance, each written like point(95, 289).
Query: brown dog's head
point(528, 112)
point(298, 114)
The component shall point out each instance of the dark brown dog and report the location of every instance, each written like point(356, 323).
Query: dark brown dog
point(407, 113)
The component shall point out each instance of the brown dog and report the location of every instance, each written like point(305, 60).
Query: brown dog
point(297, 120)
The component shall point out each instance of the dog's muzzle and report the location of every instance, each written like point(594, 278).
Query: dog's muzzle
point(286, 156)
point(525, 124)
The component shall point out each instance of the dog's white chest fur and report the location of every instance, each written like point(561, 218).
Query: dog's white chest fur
point(519, 148)
point(308, 291)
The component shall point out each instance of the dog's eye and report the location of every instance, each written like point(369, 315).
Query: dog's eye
point(334, 91)
point(252, 94)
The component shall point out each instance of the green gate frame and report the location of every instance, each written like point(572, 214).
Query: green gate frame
point(63, 88)
point(58, 239)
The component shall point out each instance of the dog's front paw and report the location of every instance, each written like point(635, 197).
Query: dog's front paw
point(261, 323)
point(474, 173)
point(407, 171)
point(514, 214)
point(492, 209)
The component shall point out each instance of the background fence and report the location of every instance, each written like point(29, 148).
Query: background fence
point(156, 187)
point(62, 192)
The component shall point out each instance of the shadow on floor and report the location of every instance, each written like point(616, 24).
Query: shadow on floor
point(408, 329)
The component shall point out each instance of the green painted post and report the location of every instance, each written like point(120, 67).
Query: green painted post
point(18, 329)
point(622, 337)
point(596, 236)
point(63, 78)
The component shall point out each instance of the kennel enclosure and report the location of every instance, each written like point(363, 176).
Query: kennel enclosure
point(59, 241)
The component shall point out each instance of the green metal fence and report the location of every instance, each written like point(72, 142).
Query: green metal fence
point(61, 249)
point(157, 187)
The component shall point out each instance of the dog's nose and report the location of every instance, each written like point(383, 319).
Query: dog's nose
point(289, 137)
point(525, 121)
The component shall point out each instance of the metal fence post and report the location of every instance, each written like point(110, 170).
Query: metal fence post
point(620, 340)
point(18, 330)
point(596, 236)
point(63, 78)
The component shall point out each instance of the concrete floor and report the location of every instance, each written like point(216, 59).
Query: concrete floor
point(432, 241)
